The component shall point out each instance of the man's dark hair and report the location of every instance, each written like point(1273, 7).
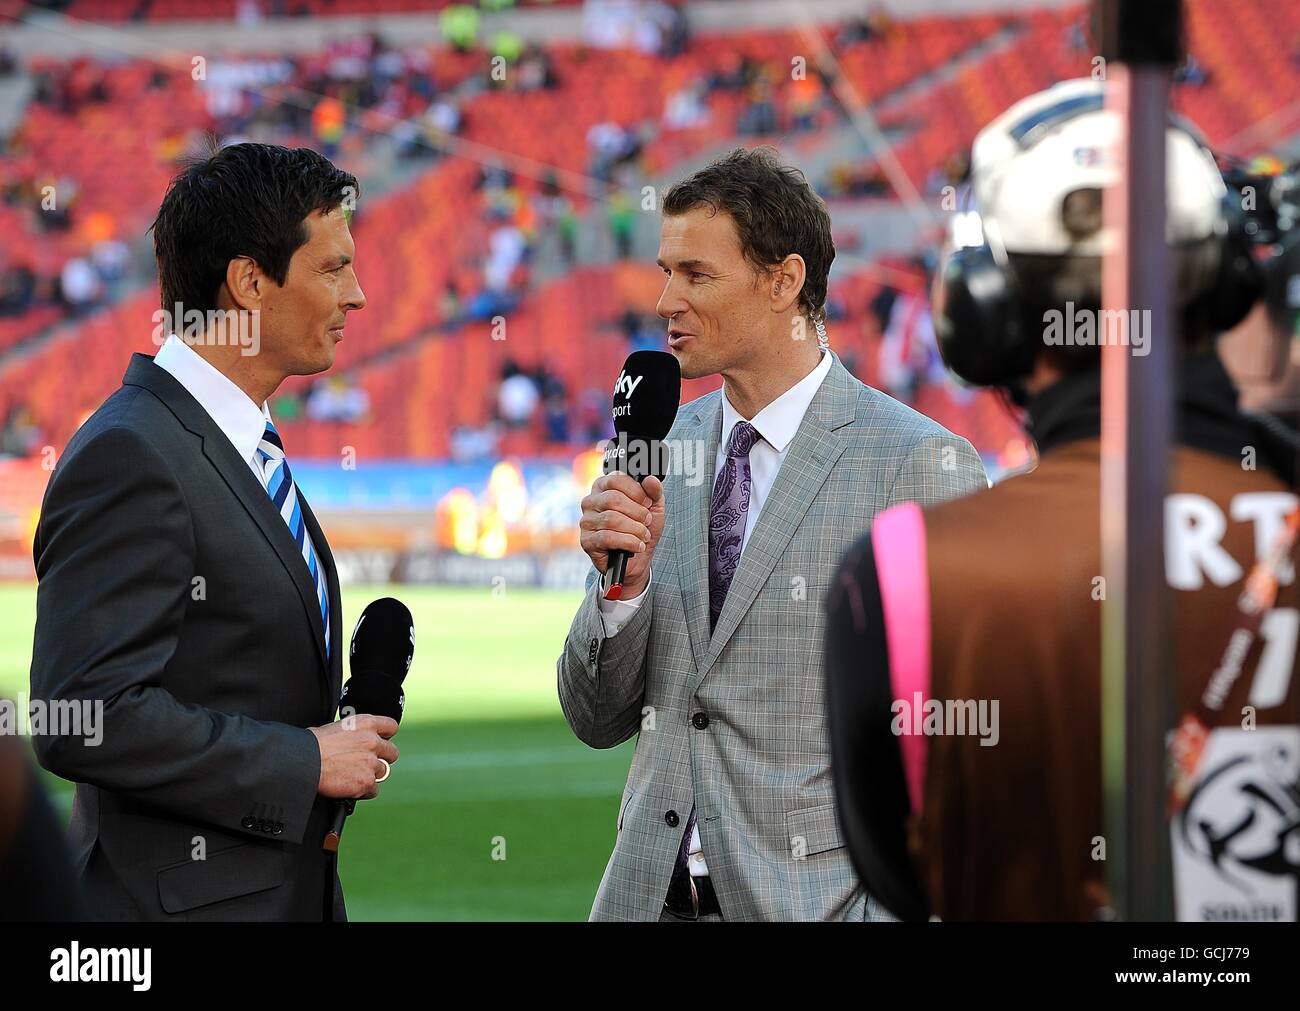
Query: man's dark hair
point(244, 200)
point(775, 210)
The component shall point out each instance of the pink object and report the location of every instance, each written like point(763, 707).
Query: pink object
point(898, 541)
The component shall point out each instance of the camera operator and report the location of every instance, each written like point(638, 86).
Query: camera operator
point(964, 640)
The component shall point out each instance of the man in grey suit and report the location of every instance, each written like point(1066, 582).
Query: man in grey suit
point(714, 655)
point(185, 586)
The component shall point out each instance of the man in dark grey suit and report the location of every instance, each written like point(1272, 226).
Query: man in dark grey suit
point(185, 586)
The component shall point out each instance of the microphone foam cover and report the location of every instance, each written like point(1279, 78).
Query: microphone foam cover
point(384, 640)
point(372, 693)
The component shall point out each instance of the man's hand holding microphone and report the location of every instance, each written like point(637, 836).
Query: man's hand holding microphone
point(623, 517)
point(355, 753)
point(623, 514)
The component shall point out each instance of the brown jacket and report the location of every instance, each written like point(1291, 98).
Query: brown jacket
point(1010, 811)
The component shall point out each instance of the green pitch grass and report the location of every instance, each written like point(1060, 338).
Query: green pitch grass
point(495, 810)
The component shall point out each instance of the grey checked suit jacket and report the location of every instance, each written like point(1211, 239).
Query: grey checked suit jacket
point(172, 591)
point(759, 771)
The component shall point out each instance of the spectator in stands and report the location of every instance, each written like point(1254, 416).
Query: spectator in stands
point(806, 97)
point(17, 289)
point(55, 213)
point(507, 248)
point(909, 350)
point(852, 179)
point(536, 72)
point(657, 31)
point(643, 333)
point(509, 47)
point(555, 406)
point(110, 258)
point(855, 30)
point(459, 26)
point(288, 406)
point(759, 115)
point(677, 30)
point(8, 62)
point(736, 73)
point(609, 24)
point(556, 211)
point(387, 65)
point(955, 171)
point(80, 288)
point(1191, 72)
point(335, 399)
point(1076, 37)
point(474, 445)
point(517, 397)
point(21, 436)
point(621, 215)
point(610, 144)
point(328, 120)
point(248, 13)
point(687, 107)
point(449, 304)
point(593, 419)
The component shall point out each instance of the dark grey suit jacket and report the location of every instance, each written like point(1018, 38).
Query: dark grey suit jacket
point(172, 591)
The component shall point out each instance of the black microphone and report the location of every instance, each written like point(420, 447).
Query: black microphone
point(646, 397)
point(383, 646)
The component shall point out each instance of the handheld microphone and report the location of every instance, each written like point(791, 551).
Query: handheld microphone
point(646, 397)
point(383, 646)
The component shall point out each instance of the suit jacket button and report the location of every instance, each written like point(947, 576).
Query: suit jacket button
point(247, 822)
point(700, 721)
point(672, 819)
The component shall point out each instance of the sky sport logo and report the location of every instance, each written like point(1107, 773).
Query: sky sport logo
point(75, 964)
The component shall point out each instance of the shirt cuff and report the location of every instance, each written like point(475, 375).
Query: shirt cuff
point(614, 614)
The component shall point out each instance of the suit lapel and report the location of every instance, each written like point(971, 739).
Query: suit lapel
point(238, 476)
point(807, 464)
point(693, 516)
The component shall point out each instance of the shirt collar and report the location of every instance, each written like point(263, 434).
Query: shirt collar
point(240, 420)
point(778, 422)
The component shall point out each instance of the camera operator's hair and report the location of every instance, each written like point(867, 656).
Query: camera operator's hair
point(244, 200)
point(776, 213)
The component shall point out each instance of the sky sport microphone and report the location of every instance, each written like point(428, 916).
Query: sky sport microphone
point(383, 646)
point(645, 405)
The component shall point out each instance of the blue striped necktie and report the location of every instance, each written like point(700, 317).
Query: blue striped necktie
point(284, 496)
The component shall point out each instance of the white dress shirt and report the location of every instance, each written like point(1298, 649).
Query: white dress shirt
point(777, 423)
point(230, 408)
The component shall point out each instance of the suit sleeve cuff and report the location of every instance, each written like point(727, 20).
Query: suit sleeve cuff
point(284, 813)
point(614, 614)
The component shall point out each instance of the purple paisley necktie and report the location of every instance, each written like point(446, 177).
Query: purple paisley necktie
point(732, 490)
point(727, 511)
